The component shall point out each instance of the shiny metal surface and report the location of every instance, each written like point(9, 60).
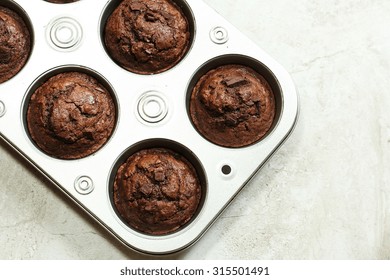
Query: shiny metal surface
point(215, 41)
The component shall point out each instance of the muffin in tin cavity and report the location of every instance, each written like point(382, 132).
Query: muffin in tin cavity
point(71, 115)
point(61, 1)
point(147, 36)
point(156, 191)
point(15, 43)
point(232, 106)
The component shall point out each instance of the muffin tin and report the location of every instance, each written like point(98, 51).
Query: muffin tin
point(152, 111)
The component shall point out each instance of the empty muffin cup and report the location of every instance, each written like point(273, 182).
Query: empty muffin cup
point(15, 39)
point(231, 103)
point(158, 187)
point(147, 37)
point(70, 112)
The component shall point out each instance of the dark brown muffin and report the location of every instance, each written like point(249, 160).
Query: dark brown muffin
point(232, 106)
point(15, 44)
point(71, 116)
point(61, 1)
point(147, 36)
point(156, 191)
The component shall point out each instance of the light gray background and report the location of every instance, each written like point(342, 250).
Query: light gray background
point(324, 195)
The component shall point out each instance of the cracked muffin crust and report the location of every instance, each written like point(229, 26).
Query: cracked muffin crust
point(71, 116)
point(15, 44)
point(156, 191)
point(147, 36)
point(232, 106)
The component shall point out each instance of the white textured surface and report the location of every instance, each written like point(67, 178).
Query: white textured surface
point(324, 195)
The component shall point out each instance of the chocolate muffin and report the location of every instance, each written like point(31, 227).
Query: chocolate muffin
point(61, 1)
point(232, 106)
point(70, 116)
point(156, 191)
point(147, 36)
point(15, 44)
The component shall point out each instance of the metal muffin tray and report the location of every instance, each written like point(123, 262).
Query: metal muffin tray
point(152, 111)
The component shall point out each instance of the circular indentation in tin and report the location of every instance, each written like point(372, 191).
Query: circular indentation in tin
point(17, 39)
point(64, 33)
point(2, 109)
point(219, 35)
point(257, 67)
point(157, 48)
point(152, 107)
point(226, 169)
point(148, 171)
point(84, 185)
point(88, 123)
